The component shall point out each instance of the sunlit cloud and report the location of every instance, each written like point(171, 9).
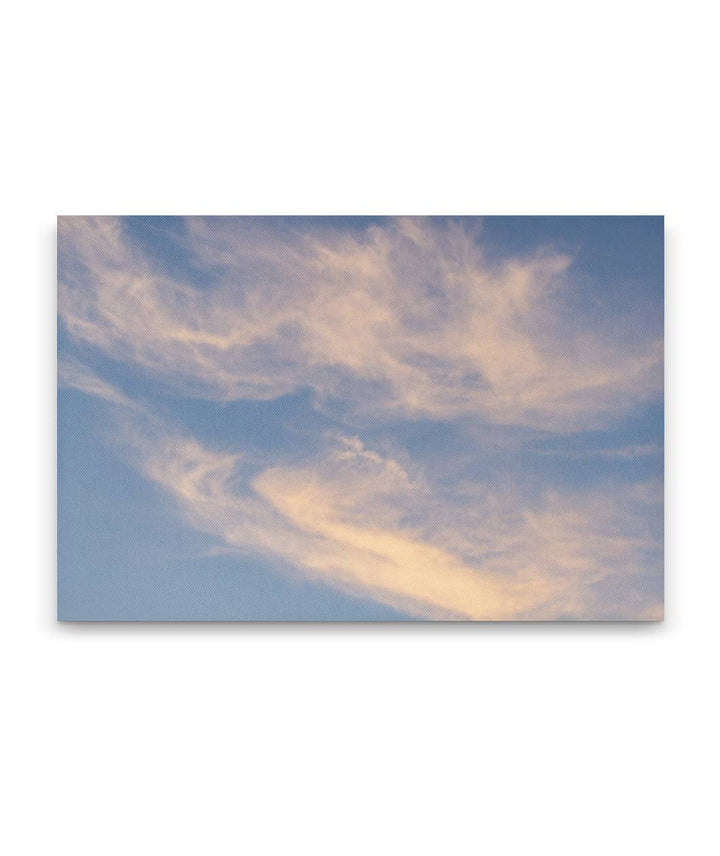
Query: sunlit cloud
point(359, 521)
point(407, 319)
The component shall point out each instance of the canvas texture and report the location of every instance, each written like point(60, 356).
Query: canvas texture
point(360, 418)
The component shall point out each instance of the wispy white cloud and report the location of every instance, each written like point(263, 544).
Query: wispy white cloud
point(73, 374)
point(407, 319)
point(372, 525)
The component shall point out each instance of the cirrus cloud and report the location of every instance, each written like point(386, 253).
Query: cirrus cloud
point(372, 525)
point(405, 319)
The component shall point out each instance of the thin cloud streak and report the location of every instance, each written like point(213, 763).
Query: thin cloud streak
point(73, 374)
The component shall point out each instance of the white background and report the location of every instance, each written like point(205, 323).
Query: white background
point(359, 739)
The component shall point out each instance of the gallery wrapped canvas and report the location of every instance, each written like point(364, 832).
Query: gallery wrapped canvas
point(360, 418)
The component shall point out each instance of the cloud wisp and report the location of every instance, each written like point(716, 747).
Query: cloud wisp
point(72, 374)
point(370, 525)
point(406, 319)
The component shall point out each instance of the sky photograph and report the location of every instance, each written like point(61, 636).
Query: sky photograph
point(360, 418)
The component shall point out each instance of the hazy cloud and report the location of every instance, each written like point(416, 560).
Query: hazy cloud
point(405, 319)
point(362, 522)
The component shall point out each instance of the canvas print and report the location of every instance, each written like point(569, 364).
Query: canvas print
point(360, 418)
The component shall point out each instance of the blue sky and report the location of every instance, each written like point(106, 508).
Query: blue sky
point(360, 418)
